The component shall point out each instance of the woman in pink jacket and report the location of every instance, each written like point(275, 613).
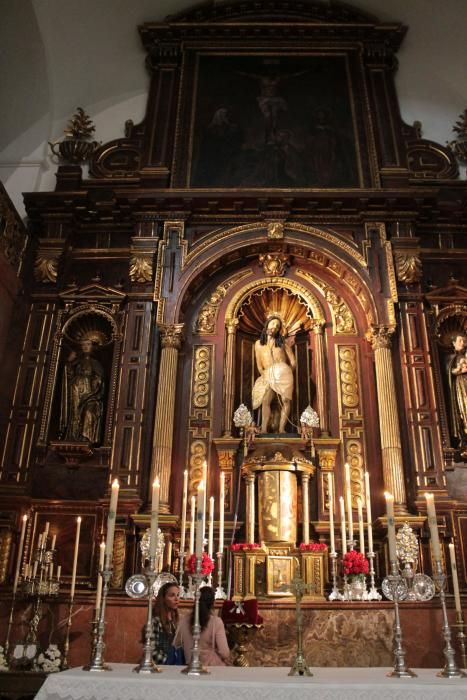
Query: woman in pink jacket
point(213, 647)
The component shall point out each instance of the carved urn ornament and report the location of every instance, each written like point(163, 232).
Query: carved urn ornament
point(459, 145)
point(76, 147)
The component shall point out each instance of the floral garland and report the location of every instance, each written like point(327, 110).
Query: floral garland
point(242, 546)
point(313, 547)
point(355, 564)
point(207, 564)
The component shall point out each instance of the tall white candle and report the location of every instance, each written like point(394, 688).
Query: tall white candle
point(99, 577)
point(156, 488)
point(200, 520)
point(111, 518)
point(211, 527)
point(331, 513)
point(192, 525)
point(391, 526)
point(343, 533)
point(369, 520)
point(455, 580)
point(360, 525)
point(221, 512)
point(75, 558)
point(205, 482)
point(45, 534)
point(433, 525)
point(59, 572)
point(348, 495)
point(184, 506)
point(20, 553)
point(54, 539)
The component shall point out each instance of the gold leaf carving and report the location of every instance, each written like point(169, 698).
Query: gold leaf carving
point(172, 335)
point(408, 267)
point(141, 268)
point(207, 317)
point(202, 371)
point(118, 561)
point(275, 230)
point(46, 269)
point(5, 548)
point(274, 263)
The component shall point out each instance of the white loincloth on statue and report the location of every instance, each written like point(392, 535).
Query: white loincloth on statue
point(279, 378)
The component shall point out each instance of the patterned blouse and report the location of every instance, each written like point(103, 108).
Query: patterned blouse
point(162, 641)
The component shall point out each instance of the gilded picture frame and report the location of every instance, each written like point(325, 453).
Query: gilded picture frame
point(262, 120)
point(280, 571)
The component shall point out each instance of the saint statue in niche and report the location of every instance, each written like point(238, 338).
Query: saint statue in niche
point(82, 396)
point(457, 378)
point(275, 361)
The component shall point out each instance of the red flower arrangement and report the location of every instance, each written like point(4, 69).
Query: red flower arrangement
point(207, 564)
point(313, 547)
point(355, 564)
point(242, 546)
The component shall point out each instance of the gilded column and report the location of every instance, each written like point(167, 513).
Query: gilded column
point(321, 389)
point(250, 509)
point(229, 374)
point(171, 341)
point(393, 472)
point(306, 507)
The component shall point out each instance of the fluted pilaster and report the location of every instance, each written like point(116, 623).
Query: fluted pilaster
point(321, 389)
point(306, 507)
point(229, 374)
point(250, 513)
point(171, 341)
point(393, 472)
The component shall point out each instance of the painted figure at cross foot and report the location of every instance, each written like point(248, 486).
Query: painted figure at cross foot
point(275, 360)
point(457, 377)
point(82, 396)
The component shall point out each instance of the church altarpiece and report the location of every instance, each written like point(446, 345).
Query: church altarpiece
point(154, 278)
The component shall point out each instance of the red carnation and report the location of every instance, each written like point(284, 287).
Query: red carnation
point(354, 563)
point(207, 564)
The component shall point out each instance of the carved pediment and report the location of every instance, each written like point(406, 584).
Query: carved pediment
point(93, 293)
point(447, 295)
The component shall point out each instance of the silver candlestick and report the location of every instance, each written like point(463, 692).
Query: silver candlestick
point(334, 595)
point(460, 625)
point(451, 669)
point(396, 590)
point(220, 593)
point(195, 667)
point(372, 593)
point(181, 558)
point(97, 654)
point(147, 664)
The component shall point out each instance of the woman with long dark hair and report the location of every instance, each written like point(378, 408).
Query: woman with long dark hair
point(213, 647)
point(165, 620)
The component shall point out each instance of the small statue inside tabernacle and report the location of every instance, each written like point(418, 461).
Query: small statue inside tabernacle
point(457, 377)
point(82, 396)
point(275, 360)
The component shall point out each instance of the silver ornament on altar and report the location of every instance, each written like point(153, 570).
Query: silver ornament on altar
point(419, 586)
point(145, 544)
point(309, 418)
point(137, 585)
point(242, 417)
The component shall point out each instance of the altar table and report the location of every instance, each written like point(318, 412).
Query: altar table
point(229, 683)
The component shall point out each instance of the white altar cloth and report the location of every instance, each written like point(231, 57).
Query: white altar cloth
point(228, 683)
